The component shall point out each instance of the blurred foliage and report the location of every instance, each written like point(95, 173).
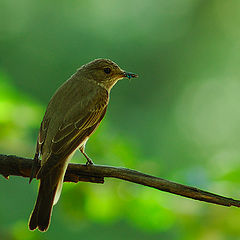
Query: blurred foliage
point(178, 120)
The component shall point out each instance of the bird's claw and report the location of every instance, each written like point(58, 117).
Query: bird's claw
point(89, 162)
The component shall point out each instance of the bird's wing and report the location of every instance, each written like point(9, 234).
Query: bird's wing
point(76, 131)
point(42, 133)
point(73, 131)
point(40, 140)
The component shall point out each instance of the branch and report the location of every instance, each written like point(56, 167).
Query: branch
point(13, 165)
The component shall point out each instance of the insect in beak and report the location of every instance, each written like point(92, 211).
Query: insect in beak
point(129, 75)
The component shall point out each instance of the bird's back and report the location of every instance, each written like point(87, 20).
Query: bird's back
point(69, 103)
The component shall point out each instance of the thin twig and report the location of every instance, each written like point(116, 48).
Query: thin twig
point(18, 166)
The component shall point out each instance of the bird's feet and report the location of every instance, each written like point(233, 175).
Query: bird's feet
point(89, 161)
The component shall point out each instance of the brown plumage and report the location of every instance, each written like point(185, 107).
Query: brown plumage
point(72, 115)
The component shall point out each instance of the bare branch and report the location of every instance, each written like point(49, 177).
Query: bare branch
point(13, 165)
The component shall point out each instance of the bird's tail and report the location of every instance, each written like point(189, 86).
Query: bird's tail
point(49, 192)
point(40, 217)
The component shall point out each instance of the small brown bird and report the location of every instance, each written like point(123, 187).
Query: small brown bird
point(73, 114)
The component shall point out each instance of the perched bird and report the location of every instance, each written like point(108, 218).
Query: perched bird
point(73, 114)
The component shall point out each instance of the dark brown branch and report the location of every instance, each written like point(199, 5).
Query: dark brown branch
point(13, 165)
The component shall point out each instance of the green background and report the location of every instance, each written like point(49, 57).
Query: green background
point(179, 120)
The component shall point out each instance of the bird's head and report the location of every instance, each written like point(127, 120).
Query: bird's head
point(105, 72)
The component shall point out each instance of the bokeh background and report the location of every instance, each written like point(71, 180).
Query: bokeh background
point(179, 120)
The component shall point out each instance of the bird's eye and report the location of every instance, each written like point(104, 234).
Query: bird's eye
point(107, 70)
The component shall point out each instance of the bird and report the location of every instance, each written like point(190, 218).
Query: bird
point(72, 115)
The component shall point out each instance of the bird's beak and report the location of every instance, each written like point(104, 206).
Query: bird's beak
point(129, 75)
